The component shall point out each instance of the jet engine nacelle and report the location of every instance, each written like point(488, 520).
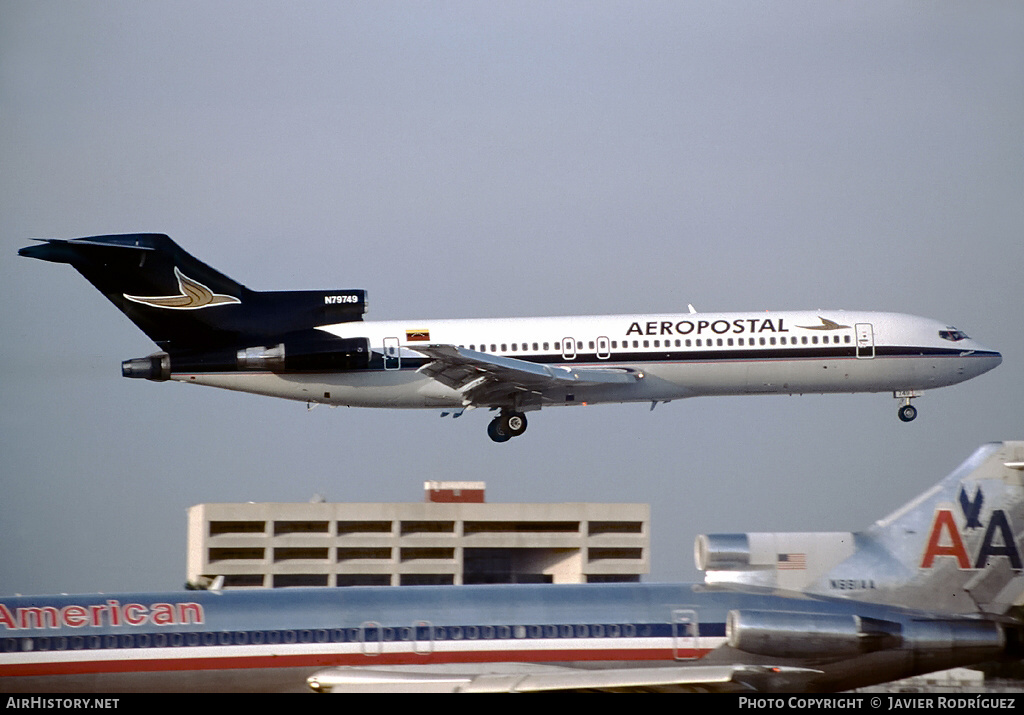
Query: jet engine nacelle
point(809, 635)
point(964, 636)
point(305, 355)
point(781, 634)
point(721, 552)
point(295, 354)
point(156, 367)
point(788, 560)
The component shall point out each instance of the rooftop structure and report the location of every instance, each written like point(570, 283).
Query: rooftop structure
point(452, 537)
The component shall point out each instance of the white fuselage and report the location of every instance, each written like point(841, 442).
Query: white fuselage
point(678, 355)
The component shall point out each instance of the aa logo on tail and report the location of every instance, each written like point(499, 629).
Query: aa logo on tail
point(945, 538)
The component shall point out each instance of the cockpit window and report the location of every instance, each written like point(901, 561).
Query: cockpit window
point(952, 334)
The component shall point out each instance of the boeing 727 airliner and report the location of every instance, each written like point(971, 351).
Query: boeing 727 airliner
point(927, 588)
point(315, 347)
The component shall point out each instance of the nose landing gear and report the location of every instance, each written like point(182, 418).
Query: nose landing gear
point(907, 411)
point(506, 426)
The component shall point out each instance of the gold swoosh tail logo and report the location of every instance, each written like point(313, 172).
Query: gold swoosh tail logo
point(826, 324)
point(193, 295)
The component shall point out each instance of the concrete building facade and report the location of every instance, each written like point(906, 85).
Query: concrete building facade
point(453, 537)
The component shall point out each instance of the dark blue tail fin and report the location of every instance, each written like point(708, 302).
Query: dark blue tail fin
point(182, 304)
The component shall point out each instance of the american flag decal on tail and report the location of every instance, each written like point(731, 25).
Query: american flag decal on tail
point(791, 562)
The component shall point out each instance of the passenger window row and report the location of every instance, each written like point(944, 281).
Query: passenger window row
point(573, 345)
point(368, 633)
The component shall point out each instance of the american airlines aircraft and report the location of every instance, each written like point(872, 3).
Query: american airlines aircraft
point(929, 587)
point(315, 347)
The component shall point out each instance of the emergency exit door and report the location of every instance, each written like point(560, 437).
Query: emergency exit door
point(865, 340)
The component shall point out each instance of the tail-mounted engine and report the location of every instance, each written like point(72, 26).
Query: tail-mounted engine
point(307, 355)
point(808, 635)
point(156, 367)
point(792, 561)
point(783, 634)
point(304, 353)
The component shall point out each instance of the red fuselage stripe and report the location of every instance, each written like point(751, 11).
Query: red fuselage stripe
point(129, 665)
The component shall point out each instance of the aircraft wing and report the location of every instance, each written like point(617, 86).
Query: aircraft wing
point(486, 380)
point(527, 678)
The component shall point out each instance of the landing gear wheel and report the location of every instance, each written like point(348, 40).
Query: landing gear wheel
point(514, 423)
point(497, 431)
point(907, 413)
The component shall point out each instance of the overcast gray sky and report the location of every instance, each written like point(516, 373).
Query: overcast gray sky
point(461, 159)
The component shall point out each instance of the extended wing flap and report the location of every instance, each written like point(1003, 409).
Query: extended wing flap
point(525, 677)
point(693, 678)
point(483, 377)
point(709, 676)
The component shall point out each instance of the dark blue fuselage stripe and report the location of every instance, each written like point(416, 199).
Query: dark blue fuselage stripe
point(402, 633)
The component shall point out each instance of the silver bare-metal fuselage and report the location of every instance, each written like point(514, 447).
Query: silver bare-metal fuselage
point(267, 640)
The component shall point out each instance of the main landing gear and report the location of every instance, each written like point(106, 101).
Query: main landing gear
point(506, 426)
point(907, 411)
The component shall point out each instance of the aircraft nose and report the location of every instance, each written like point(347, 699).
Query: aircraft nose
point(988, 359)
